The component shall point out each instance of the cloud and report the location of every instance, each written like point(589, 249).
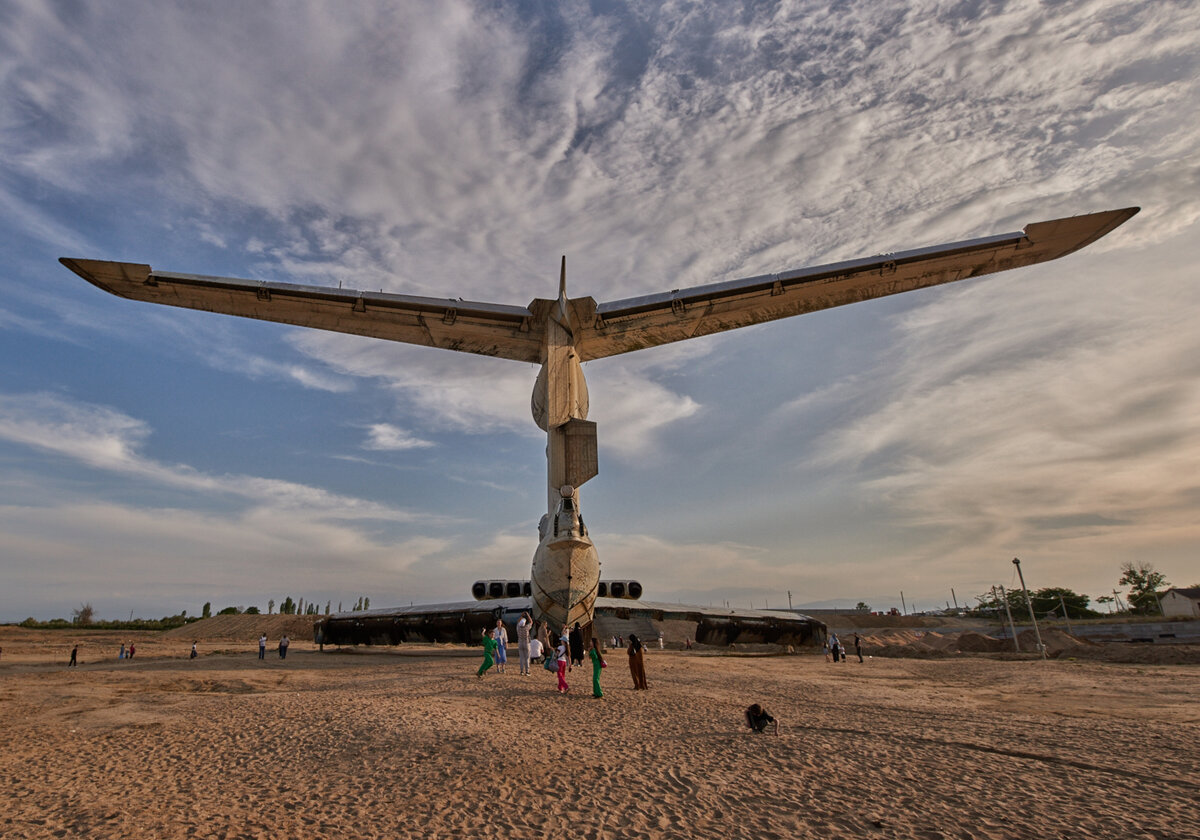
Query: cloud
point(1057, 414)
point(123, 557)
point(388, 437)
point(105, 439)
point(450, 150)
point(441, 390)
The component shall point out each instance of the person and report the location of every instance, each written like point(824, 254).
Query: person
point(489, 647)
point(74, 657)
point(637, 662)
point(826, 648)
point(262, 646)
point(858, 647)
point(132, 648)
point(121, 655)
point(613, 642)
point(193, 656)
point(576, 641)
point(500, 634)
point(283, 646)
point(597, 663)
point(758, 718)
point(660, 640)
point(834, 646)
point(561, 653)
point(535, 649)
point(523, 643)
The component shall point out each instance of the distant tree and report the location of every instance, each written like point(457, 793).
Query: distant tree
point(183, 613)
point(207, 611)
point(993, 605)
point(252, 611)
point(300, 607)
point(84, 615)
point(358, 605)
point(229, 611)
point(366, 603)
point(862, 607)
point(1105, 599)
point(270, 606)
point(328, 604)
point(339, 606)
point(287, 607)
point(1052, 599)
point(1144, 582)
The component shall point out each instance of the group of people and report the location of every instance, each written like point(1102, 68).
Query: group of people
point(834, 648)
point(283, 646)
point(534, 645)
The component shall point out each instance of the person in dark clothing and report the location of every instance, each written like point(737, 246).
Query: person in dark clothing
point(637, 662)
point(758, 719)
point(575, 639)
point(74, 657)
point(858, 647)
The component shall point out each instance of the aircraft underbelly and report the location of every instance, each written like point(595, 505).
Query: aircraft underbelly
point(565, 578)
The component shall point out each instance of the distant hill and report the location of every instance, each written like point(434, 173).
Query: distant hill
point(246, 628)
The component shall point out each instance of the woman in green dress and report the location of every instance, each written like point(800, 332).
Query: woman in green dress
point(489, 647)
point(597, 663)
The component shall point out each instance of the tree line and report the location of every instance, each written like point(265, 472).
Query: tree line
point(85, 615)
point(1146, 585)
point(289, 607)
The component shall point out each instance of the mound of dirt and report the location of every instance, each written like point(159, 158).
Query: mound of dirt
point(246, 628)
point(979, 643)
point(1057, 642)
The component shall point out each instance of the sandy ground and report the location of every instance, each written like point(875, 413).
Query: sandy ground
point(408, 743)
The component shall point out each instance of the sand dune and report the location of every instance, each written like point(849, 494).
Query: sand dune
point(410, 744)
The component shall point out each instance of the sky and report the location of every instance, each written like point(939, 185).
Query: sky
point(154, 459)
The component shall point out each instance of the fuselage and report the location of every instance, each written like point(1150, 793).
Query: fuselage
point(566, 568)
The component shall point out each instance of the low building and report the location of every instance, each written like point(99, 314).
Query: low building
point(1177, 601)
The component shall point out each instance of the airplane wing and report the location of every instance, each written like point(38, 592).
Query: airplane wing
point(487, 329)
point(625, 325)
point(463, 622)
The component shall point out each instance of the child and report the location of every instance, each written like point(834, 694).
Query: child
point(758, 718)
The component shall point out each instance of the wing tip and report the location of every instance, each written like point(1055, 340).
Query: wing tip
point(1072, 233)
point(108, 275)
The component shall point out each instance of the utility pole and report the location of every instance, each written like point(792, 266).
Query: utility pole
point(1029, 603)
point(1066, 617)
point(789, 600)
point(1012, 628)
point(1120, 606)
point(903, 606)
point(955, 597)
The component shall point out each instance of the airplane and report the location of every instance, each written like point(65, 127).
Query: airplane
point(560, 334)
